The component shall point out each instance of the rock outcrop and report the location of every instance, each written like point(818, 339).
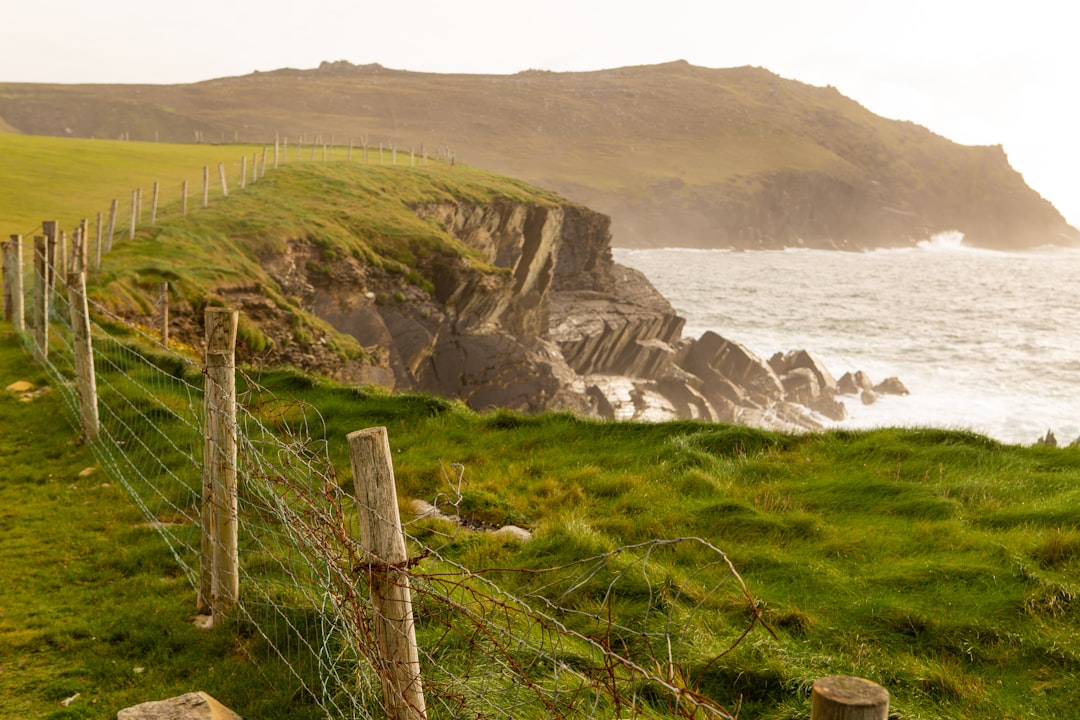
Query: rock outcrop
point(557, 325)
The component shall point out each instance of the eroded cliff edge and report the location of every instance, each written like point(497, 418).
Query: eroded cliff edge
point(556, 325)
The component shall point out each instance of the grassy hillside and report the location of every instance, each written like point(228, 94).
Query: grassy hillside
point(677, 154)
point(939, 564)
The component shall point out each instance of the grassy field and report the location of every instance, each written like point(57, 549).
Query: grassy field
point(939, 564)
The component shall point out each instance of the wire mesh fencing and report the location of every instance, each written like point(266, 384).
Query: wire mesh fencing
point(622, 634)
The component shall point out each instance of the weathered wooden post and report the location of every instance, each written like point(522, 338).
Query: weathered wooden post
point(219, 586)
point(18, 314)
point(86, 382)
point(183, 198)
point(386, 558)
point(243, 171)
point(262, 169)
point(134, 214)
point(112, 225)
point(285, 150)
point(51, 228)
point(224, 185)
point(277, 151)
point(84, 244)
point(154, 204)
point(165, 313)
point(41, 300)
point(97, 243)
point(205, 187)
point(848, 698)
point(6, 248)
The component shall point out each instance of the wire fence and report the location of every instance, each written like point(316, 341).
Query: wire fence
point(621, 634)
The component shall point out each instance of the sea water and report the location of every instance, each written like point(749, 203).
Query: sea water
point(984, 340)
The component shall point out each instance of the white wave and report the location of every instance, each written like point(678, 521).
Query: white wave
point(948, 241)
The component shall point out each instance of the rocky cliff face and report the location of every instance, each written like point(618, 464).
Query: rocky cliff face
point(556, 326)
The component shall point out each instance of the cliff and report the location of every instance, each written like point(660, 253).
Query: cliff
point(677, 155)
point(454, 282)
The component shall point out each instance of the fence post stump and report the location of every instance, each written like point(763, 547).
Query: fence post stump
point(84, 354)
point(41, 300)
point(15, 262)
point(848, 698)
point(219, 583)
point(384, 547)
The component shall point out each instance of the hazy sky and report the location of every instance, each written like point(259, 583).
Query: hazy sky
point(987, 72)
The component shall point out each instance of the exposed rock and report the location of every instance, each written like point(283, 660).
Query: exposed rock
point(868, 397)
point(559, 327)
point(891, 386)
point(741, 368)
point(193, 706)
point(853, 383)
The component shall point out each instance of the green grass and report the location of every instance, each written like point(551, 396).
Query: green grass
point(939, 564)
point(92, 602)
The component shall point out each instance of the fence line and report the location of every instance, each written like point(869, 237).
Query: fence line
point(483, 650)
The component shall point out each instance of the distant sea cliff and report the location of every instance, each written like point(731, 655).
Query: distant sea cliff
point(677, 155)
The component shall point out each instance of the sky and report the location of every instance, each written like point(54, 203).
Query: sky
point(978, 72)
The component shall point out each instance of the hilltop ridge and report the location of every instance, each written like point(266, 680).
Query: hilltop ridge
point(677, 155)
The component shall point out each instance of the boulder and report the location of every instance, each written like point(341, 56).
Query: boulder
point(736, 364)
point(808, 360)
point(193, 706)
point(853, 383)
point(891, 386)
point(868, 397)
point(801, 386)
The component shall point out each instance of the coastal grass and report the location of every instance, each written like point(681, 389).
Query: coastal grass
point(95, 614)
point(938, 563)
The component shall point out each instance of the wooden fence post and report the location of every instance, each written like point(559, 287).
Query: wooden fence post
point(8, 269)
point(41, 300)
point(205, 187)
point(224, 186)
point(386, 557)
point(51, 228)
point(165, 314)
point(284, 150)
point(84, 244)
point(848, 698)
point(97, 244)
point(84, 353)
point(112, 225)
point(219, 507)
point(134, 214)
point(183, 198)
point(243, 171)
point(18, 313)
point(262, 171)
point(153, 205)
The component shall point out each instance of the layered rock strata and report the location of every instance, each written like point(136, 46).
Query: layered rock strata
point(557, 326)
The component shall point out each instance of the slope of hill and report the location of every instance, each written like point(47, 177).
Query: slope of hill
point(676, 154)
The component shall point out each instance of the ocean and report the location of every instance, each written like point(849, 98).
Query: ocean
point(985, 341)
